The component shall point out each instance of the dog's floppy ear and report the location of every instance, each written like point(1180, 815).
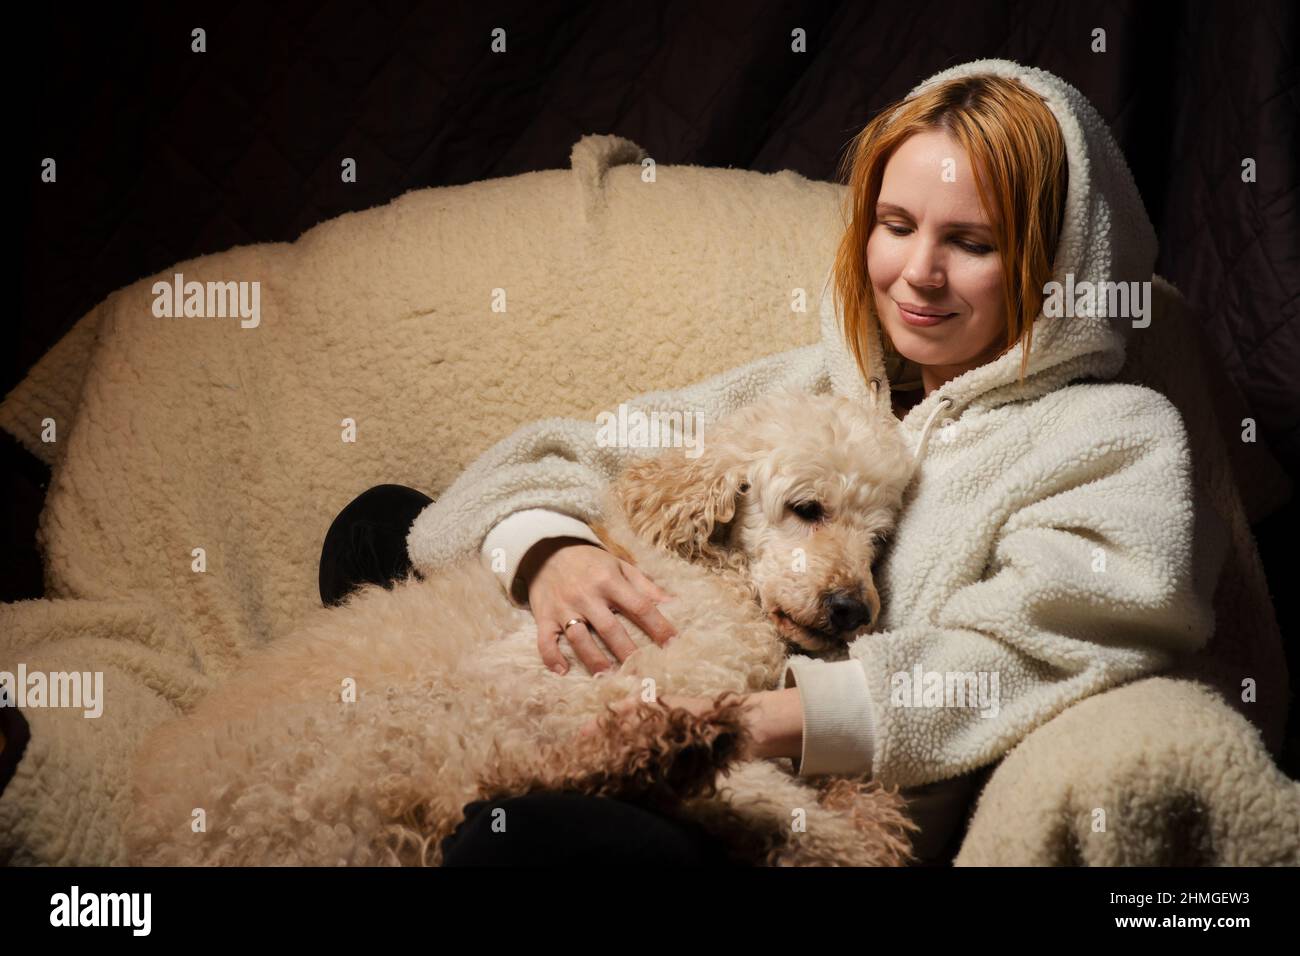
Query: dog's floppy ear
point(680, 503)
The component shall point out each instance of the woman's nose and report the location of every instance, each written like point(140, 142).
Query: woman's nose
point(922, 267)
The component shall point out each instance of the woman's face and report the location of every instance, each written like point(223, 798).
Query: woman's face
point(932, 249)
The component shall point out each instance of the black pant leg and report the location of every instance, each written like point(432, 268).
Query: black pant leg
point(572, 829)
point(367, 541)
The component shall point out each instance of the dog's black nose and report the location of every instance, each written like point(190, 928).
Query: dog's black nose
point(847, 613)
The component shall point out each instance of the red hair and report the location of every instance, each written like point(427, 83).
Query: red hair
point(1017, 153)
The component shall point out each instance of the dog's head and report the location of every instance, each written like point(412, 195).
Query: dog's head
point(796, 492)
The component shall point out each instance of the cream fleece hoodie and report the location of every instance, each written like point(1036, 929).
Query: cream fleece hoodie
point(1045, 551)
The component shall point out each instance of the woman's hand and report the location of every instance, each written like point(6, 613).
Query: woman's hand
point(774, 719)
point(568, 578)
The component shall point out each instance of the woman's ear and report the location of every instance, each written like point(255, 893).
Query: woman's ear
point(681, 503)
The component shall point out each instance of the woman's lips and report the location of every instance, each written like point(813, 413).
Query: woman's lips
point(915, 318)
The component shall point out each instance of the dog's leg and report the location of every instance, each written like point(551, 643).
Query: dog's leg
point(774, 819)
point(658, 756)
point(693, 768)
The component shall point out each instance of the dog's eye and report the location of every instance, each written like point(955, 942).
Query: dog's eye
point(807, 510)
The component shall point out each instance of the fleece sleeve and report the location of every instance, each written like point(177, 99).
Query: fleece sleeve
point(564, 465)
point(512, 538)
point(839, 730)
point(1086, 582)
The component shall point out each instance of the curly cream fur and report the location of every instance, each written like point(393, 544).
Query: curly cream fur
point(452, 703)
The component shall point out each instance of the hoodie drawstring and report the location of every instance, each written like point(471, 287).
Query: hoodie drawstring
point(925, 435)
point(874, 388)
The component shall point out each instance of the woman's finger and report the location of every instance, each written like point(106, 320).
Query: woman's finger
point(643, 583)
point(640, 609)
point(608, 629)
point(548, 642)
point(580, 639)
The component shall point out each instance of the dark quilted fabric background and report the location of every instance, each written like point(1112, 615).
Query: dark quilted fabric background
point(165, 154)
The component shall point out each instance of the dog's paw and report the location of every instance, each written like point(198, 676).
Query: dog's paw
point(656, 755)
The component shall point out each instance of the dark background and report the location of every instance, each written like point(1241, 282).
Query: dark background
point(164, 154)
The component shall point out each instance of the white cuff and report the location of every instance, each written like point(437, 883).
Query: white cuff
point(839, 728)
point(511, 538)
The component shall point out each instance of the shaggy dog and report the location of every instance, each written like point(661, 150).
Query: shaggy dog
point(360, 738)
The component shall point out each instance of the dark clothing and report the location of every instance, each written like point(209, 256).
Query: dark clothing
point(367, 541)
point(570, 829)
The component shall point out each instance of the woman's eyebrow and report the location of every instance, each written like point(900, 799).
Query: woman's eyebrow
point(885, 207)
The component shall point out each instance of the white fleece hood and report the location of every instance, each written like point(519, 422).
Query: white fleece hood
point(1046, 540)
point(1106, 237)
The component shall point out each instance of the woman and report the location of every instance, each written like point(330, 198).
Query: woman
point(1045, 548)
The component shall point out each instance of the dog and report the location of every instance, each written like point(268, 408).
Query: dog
point(359, 738)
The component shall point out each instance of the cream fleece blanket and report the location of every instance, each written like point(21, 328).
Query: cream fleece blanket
point(177, 434)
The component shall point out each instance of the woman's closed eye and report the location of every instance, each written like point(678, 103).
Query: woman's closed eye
point(974, 248)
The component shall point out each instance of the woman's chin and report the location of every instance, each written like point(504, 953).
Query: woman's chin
point(922, 347)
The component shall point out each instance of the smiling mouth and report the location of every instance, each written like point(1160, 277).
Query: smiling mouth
point(793, 630)
point(920, 318)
